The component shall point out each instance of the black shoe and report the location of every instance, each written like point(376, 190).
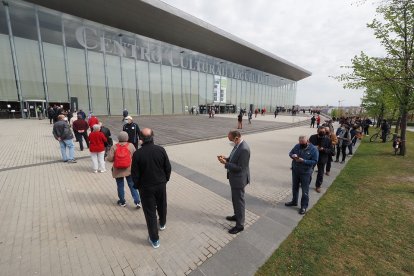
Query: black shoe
point(236, 230)
point(231, 218)
point(302, 211)
point(290, 204)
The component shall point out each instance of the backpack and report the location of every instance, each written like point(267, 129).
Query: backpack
point(122, 156)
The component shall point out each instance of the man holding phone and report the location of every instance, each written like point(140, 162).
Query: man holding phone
point(304, 156)
point(238, 174)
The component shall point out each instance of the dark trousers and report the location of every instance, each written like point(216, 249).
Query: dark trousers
point(340, 149)
point(329, 164)
point(237, 197)
point(301, 180)
point(154, 200)
point(350, 148)
point(321, 171)
point(79, 138)
point(366, 130)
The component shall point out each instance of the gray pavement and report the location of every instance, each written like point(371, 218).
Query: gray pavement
point(62, 219)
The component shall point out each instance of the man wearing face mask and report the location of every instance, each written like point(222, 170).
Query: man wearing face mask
point(150, 171)
point(238, 174)
point(304, 157)
point(324, 146)
point(133, 131)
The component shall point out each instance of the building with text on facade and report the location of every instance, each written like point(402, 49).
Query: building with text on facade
point(143, 56)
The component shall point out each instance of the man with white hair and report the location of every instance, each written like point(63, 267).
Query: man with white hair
point(304, 157)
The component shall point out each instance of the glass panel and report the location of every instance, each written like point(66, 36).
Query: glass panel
point(155, 78)
point(8, 90)
point(113, 70)
point(186, 88)
point(130, 93)
point(194, 89)
point(167, 89)
point(55, 72)
point(97, 83)
point(203, 88)
point(178, 106)
point(143, 86)
point(210, 88)
point(233, 91)
point(77, 77)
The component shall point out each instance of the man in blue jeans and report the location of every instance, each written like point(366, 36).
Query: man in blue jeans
point(304, 157)
point(62, 133)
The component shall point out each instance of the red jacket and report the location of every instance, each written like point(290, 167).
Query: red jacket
point(97, 141)
point(93, 121)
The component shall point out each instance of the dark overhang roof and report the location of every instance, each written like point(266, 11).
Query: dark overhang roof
point(160, 21)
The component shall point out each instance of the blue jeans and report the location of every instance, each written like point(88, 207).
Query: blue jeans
point(67, 144)
point(302, 180)
point(121, 191)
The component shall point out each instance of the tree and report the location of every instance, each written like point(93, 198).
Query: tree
point(393, 73)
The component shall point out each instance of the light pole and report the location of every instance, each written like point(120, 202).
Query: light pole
point(339, 107)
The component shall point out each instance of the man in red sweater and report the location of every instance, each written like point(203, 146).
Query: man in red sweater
point(80, 127)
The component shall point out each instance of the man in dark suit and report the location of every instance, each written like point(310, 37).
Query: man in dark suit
point(238, 173)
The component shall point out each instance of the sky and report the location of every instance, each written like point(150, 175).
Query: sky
point(319, 36)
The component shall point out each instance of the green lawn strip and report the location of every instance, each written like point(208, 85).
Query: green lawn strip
point(363, 225)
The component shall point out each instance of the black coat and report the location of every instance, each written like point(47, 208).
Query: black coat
point(322, 142)
point(150, 166)
point(133, 132)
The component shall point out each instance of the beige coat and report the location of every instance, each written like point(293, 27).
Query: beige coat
point(120, 172)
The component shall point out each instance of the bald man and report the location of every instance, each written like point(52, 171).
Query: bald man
point(151, 170)
point(63, 133)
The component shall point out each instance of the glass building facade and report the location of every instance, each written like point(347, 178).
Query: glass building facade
point(50, 57)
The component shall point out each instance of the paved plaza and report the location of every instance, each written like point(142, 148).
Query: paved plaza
point(62, 219)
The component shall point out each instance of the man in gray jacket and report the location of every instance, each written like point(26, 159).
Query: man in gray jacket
point(238, 173)
point(63, 133)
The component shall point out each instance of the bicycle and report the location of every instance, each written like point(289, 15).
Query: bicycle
point(377, 137)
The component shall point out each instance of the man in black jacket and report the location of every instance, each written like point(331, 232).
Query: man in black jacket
point(133, 131)
point(150, 171)
point(324, 145)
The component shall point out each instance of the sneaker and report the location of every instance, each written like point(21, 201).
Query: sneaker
point(102, 171)
point(138, 205)
point(122, 204)
point(95, 171)
point(155, 244)
point(162, 227)
point(72, 161)
point(327, 173)
point(302, 211)
point(65, 161)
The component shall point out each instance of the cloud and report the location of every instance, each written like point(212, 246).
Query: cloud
point(319, 35)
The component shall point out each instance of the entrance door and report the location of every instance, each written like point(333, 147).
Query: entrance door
point(32, 106)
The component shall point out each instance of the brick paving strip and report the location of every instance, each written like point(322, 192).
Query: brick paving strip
point(61, 219)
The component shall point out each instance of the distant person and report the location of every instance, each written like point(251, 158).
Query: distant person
point(318, 121)
point(82, 114)
point(133, 131)
point(63, 133)
point(334, 142)
point(80, 128)
point(92, 121)
point(275, 113)
point(124, 115)
point(39, 111)
point(150, 171)
point(249, 116)
point(256, 111)
point(121, 156)
point(238, 174)
point(50, 114)
point(384, 130)
point(97, 142)
point(304, 157)
point(366, 124)
point(313, 119)
point(344, 138)
point(240, 121)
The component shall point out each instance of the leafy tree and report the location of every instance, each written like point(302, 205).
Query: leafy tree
point(394, 73)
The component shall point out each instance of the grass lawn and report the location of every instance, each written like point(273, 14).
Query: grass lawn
point(363, 225)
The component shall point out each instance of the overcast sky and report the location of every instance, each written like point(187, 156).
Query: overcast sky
point(318, 35)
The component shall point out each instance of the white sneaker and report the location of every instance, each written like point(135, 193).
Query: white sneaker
point(95, 171)
point(102, 171)
point(162, 227)
point(138, 205)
